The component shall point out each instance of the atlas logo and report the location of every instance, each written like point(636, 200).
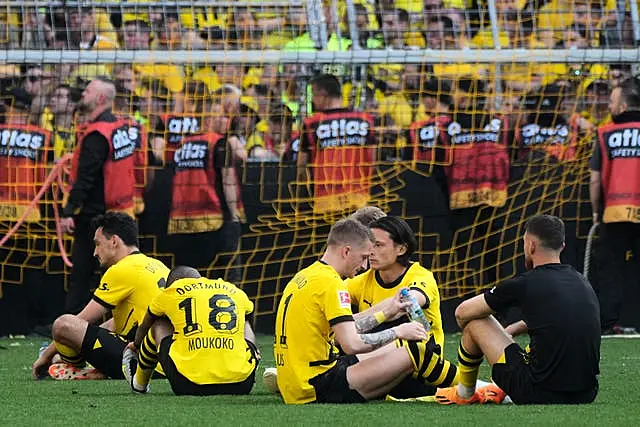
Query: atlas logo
point(624, 138)
point(124, 137)
point(428, 135)
point(342, 127)
point(17, 138)
point(191, 151)
point(183, 125)
point(535, 134)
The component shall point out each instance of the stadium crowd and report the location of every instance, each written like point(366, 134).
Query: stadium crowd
point(540, 111)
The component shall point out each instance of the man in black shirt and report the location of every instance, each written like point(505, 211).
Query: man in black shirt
point(86, 198)
point(561, 316)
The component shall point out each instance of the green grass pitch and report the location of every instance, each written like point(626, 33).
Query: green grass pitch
point(77, 403)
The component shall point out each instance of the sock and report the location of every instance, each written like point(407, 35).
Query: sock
point(147, 361)
point(69, 355)
point(428, 365)
point(468, 367)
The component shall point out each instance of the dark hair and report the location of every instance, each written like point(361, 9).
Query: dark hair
point(447, 23)
point(548, 229)
point(117, 224)
point(403, 15)
point(367, 214)
point(328, 83)
point(630, 92)
point(400, 233)
point(182, 272)
point(348, 232)
point(439, 89)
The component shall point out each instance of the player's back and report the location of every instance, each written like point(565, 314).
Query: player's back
point(128, 287)
point(562, 313)
point(312, 301)
point(208, 317)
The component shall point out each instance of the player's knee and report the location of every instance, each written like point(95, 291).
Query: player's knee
point(63, 326)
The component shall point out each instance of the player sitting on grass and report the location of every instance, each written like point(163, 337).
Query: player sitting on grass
point(197, 329)
point(561, 316)
point(390, 272)
point(126, 288)
point(316, 307)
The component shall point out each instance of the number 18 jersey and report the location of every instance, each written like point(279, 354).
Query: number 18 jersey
point(208, 317)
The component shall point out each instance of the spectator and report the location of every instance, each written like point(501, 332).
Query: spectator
point(62, 105)
point(136, 32)
point(614, 190)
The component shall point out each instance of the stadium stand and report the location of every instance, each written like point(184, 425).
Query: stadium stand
point(438, 77)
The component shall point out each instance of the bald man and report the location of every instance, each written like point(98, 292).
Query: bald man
point(103, 159)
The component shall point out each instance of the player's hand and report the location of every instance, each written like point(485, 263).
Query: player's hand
point(396, 307)
point(40, 368)
point(67, 225)
point(412, 331)
point(131, 346)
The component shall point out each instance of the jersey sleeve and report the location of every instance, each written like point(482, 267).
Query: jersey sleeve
point(246, 302)
point(158, 305)
point(427, 286)
point(505, 295)
point(354, 286)
point(336, 303)
point(115, 287)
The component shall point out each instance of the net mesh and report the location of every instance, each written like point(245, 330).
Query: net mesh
point(544, 72)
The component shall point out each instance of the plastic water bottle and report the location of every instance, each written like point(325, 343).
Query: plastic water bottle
point(414, 310)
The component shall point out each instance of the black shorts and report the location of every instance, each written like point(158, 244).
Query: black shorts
point(332, 386)
point(103, 350)
point(515, 378)
point(182, 386)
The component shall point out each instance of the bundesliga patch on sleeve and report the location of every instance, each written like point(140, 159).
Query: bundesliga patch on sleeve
point(344, 298)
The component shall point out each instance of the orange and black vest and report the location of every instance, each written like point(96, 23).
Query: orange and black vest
point(479, 170)
point(197, 202)
point(293, 148)
point(23, 169)
point(559, 140)
point(177, 126)
point(620, 149)
point(342, 149)
point(429, 142)
point(125, 169)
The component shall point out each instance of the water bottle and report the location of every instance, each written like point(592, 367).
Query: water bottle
point(414, 310)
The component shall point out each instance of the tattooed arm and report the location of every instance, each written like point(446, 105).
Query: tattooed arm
point(353, 343)
point(389, 308)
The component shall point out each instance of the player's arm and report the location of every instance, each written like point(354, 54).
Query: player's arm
point(143, 329)
point(303, 155)
point(352, 342)
point(388, 309)
point(498, 298)
point(518, 328)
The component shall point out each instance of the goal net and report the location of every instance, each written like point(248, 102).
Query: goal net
point(436, 78)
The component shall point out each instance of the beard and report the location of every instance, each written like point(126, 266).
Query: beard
point(528, 263)
point(85, 107)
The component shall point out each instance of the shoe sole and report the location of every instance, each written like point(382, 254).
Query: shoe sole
point(67, 373)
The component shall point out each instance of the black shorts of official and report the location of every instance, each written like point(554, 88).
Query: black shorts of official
point(515, 378)
point(332, 386)
point(182, 386)
point(103, 350)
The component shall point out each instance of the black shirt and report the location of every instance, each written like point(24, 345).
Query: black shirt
point(222, 160)
point(87, 194)
point(596, 158)
point(563, 316)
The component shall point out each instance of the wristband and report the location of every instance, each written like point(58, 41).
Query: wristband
point(380, 317)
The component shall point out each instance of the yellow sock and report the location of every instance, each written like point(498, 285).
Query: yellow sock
point(69, 355)
point(468, 368)
point(147, 361)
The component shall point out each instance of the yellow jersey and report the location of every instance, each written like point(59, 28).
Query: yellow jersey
point(368, 289)
point(127, 287)
point(208, 318)
point(312, 302)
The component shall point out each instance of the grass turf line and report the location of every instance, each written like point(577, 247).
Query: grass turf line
point(24, 401)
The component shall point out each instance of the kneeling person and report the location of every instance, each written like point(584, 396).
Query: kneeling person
point(197, 329)
point(126, 288)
